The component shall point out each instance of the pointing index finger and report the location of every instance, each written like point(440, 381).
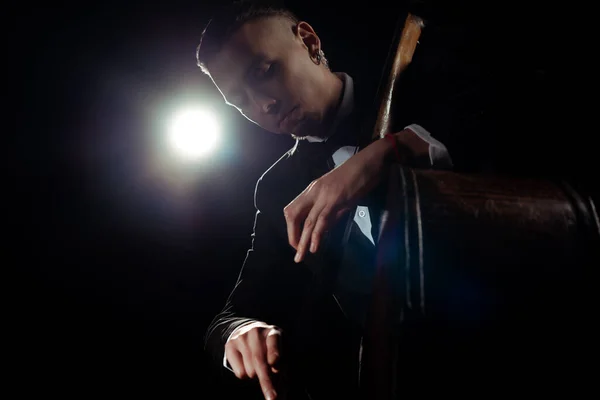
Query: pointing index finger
point(266, 384)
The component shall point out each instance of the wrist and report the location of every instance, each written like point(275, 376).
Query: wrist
point(408, 149)
point(396, 150)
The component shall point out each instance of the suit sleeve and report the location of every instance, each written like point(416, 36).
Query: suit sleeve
point(269, 287)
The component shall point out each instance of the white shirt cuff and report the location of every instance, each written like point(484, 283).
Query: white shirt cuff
point(438, 154)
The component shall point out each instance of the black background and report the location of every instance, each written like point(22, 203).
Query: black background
point(123, 253)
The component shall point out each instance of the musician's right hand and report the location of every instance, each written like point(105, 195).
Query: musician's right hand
point(254, 351)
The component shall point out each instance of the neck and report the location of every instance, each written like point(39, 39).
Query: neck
point(334, 95)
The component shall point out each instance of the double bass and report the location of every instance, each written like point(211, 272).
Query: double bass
point(481, 279)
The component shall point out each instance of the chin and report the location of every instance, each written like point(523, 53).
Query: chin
point(275, 129)
point(303, 128)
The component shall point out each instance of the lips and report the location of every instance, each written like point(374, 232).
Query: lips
point(287, 120)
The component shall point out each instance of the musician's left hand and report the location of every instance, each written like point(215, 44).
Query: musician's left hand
point(326, 199)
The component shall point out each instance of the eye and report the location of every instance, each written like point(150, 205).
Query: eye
point(264, 71)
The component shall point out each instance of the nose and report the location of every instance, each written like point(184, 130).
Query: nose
point(269, 106)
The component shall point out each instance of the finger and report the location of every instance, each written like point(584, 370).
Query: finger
point(264, 378)
point(274, 349)
point(259, 360)
point(235, 360)
point(247, 360)
point(309, 225)
point(341, 212)
point(323, 223)
point(294, 213)
point(321, 226)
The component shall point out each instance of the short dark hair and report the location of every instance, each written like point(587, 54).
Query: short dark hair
point(227, 20)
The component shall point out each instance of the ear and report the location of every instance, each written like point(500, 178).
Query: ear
point(309, 38)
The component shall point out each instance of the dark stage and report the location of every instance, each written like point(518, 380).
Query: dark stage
point(124, 253)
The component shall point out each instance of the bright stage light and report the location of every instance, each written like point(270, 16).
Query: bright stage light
point(194, 133)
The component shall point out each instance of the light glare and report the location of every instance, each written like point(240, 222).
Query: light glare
point(194, 133)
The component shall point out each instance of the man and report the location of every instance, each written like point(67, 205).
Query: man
point(272, 68)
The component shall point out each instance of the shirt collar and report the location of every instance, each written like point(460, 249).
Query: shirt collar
point(344, 109)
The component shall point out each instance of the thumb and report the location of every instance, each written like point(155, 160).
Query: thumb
point(339, 214)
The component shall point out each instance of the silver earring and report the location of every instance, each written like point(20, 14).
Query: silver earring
point(321, 58)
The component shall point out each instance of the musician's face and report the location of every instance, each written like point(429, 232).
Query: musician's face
point(268, 71)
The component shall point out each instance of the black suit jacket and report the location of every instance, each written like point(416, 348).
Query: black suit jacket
point(274, 289)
